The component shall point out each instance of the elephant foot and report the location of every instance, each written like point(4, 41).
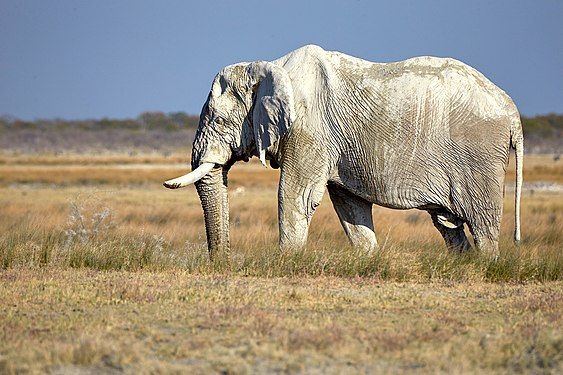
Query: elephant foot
point(487, 246)
point(451, 229)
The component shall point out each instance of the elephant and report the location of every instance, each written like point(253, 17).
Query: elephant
point(425, 133)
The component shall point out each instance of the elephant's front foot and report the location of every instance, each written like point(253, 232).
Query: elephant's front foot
point(291, 242)
point(293, 234)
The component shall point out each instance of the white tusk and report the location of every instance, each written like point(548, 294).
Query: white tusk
point(187, 179)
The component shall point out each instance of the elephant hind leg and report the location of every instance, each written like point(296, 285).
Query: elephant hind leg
point(486, 236)
point(484, 225)
point(355, 216)
point(451, 229)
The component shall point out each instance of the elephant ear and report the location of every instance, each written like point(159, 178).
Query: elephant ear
point(273, 111)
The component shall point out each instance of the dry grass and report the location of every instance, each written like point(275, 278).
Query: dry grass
point(68, 321)
point(111, 169)
point(103, 158)
point(151, 227)
point(545, 168)
point(107, 271)
point(114, 170)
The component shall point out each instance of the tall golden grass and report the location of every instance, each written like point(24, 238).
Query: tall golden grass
point(51, 220)
point(104, 270)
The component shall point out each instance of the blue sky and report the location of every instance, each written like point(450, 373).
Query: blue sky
point(91, 59)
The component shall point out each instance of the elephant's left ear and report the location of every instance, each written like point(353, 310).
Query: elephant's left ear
point(273, 111)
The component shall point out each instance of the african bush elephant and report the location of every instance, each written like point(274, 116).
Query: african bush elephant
point(426, 133)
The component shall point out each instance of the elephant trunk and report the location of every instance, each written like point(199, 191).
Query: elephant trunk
point(212, 191)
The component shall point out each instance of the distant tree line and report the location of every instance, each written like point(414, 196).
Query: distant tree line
point(544, 126)
point(548, 126)
point(145, 121)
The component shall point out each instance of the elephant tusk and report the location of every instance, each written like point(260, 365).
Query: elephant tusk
point(189, 178)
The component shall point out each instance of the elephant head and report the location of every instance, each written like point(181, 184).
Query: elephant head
point(249, 108)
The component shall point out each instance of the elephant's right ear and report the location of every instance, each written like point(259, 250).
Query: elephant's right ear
point(273, 111)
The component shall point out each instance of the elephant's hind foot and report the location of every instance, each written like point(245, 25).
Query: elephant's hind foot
point(451, 229)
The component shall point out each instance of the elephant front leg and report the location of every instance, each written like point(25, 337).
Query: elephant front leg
point(355, 216)
point(297, 201)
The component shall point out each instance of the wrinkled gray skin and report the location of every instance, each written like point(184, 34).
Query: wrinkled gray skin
point(426, 133)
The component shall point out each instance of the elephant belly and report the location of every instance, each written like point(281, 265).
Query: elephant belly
point(398, 179)
point(407, 193)
point(427, 179)
point(402, 187)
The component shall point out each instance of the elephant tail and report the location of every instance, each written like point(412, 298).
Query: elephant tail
point(517, 142)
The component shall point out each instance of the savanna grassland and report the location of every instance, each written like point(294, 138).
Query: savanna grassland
point(104, 270)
